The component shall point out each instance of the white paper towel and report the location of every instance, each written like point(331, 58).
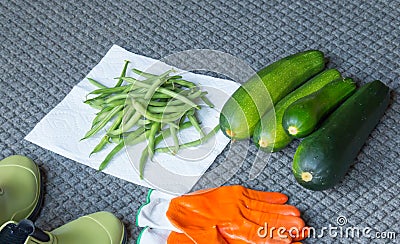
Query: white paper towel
point(61, 130)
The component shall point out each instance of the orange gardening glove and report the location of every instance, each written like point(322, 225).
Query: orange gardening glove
point(232, 214)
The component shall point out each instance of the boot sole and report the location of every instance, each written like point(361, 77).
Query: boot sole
point(34, 215)
point(125, 239)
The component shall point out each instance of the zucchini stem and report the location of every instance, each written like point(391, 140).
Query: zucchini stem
point(293, 130)
point(306, 176)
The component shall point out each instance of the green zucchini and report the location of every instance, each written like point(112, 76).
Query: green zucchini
point(302, 117)
point(245, 107)
point(269, 134)
point(323, 158)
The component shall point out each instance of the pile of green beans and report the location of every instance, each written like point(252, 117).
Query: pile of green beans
point(152, 108)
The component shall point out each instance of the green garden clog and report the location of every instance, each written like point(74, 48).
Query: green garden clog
point(97, 228)
point(20, 189)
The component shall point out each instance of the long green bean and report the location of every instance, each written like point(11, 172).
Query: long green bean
point(207, 101)
point(102, 123)
point(155, 127)
point(168, 109)
point(106, 138)
point(117, 97)
point(175, 139)
point(109, 90)
point(123, 73)
point(156, 84)
point(155, 117)
point(192, 143)
point(195, 124)
point(143, 160)
point(181, 82)
point(109, 156)
point(144, 74)
point(96, 83)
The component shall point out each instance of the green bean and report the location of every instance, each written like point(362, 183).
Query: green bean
point(158, 103)
point(156, 84)
point(123, 73)
point(168, 109)
point(114, 103)
point(101, 145)
point(117, 97)
point(131, 122)
point(102, 123)
point(195, 124)
point(174, 134)
point(160, 95)
point(143, 160)
point(96, 83)
point(95, 106)
point(106, 138)
point(127, 125)
point(131, 135)
point(207, 101)
point(182, 120)
point(108, 158)
point(141, 94)
point(137, 90)
point(130, 140)
point(144, 74)
point(109, 90)
point(175, 77)
point(155, 117)
point(164, 91)
point(116, 139)
point(191, 96)
point(167, 133)
point(143, 122)
point(101, 115)
point(192, 143)
point(181, 82)
point(99, 97)
point(95, 102)
point(155, 127)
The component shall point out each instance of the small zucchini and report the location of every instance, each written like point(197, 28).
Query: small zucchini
point(269, 135)
point(323, 158)
point(302, 117)
point(249, 102)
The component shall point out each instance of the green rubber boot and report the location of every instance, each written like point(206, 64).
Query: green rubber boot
point(97, 228)
point(20, 189)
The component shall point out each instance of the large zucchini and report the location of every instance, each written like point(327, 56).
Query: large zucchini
point(245, 107)
point(323, 158)
point(269, 134)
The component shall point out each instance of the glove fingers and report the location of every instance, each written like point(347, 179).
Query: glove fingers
point(273, 219)
point(175, 238)
point(271, 208)
point(269, 197)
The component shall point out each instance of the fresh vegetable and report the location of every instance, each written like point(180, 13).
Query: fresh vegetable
point(233, 214)
point(302, 117)
point(153, 108)
point(323, 158)
point(269, 135)
point(245, 107)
